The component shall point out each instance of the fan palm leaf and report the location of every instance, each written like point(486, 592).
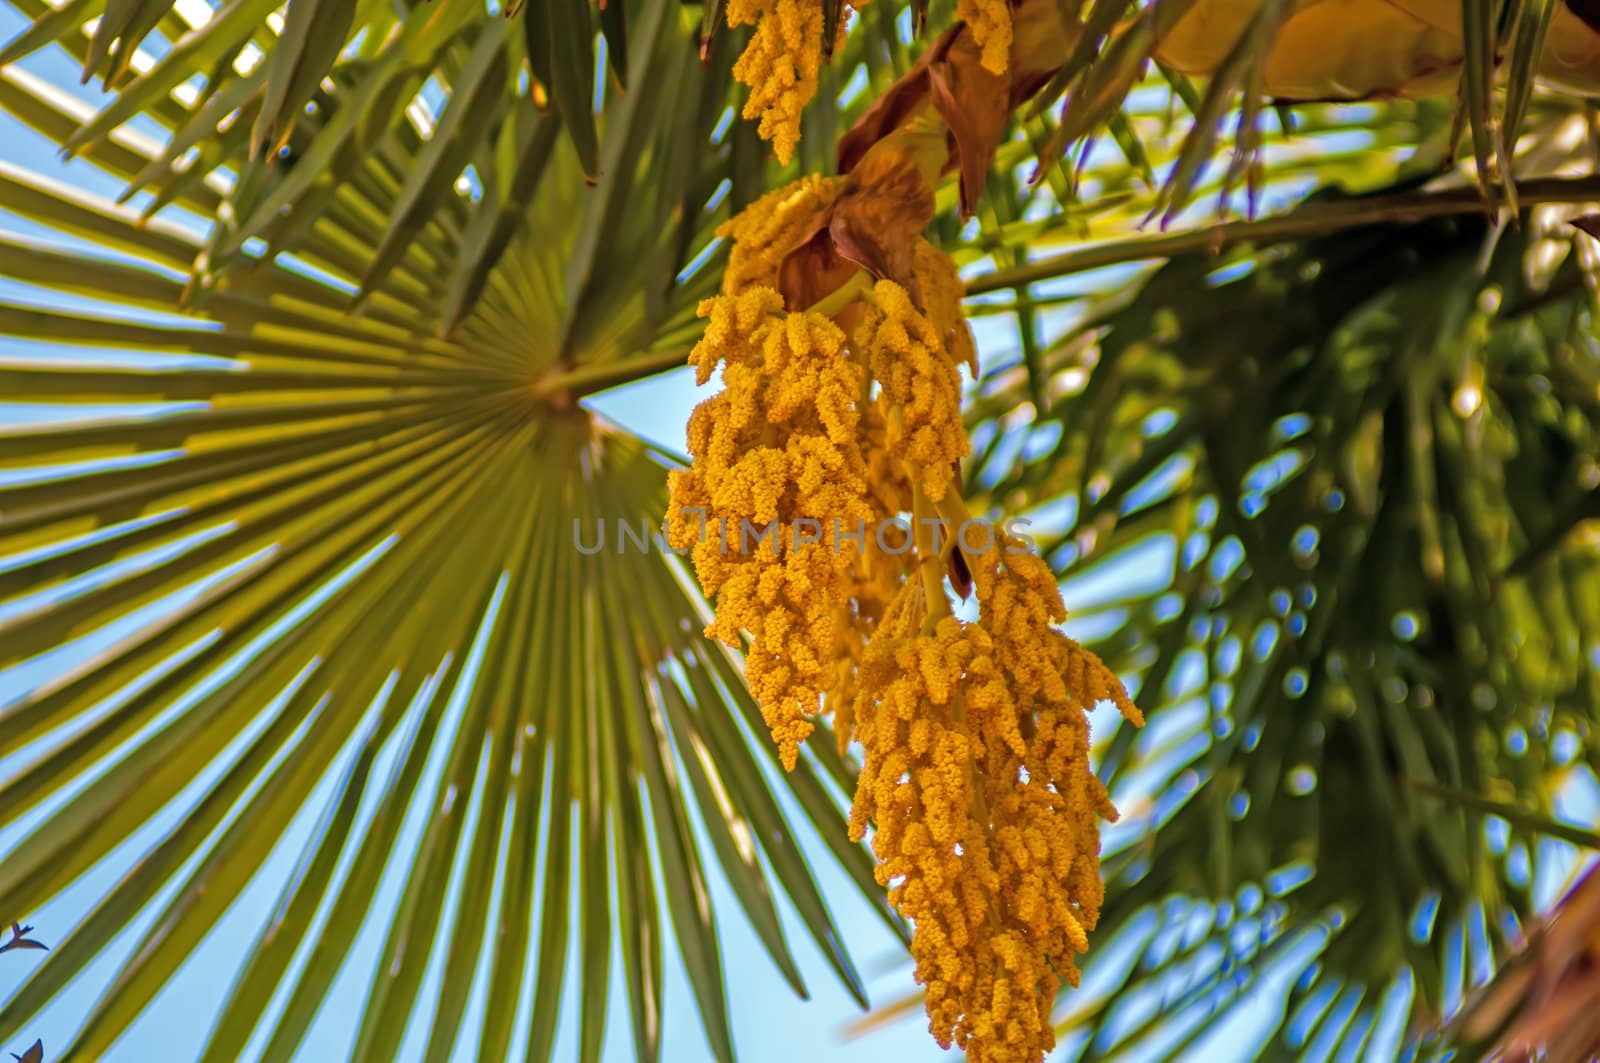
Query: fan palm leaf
point(270, 558)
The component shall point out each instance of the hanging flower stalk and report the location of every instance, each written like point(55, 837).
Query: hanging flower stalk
point(985, 810)
point(998, 54)
point(835, 419)
point(840, 338)
point(781, 63)
point(778, 462)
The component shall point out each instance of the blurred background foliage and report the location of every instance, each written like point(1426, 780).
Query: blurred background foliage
point(298, 434)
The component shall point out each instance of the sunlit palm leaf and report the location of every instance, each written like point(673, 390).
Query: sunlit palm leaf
point(274, 560)
point(278, 70)
point(1252, 52)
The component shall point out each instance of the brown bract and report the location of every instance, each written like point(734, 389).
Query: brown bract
point(873, 224)
point(975, 105)
point(948, 112)
point(949, 81)
point(1542, 1003)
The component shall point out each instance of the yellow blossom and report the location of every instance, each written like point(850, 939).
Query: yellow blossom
point(914, 363)
point(780, 65)
point(976, 780)
point(941, 290)
point(770, 227)
point(775, 447)
point(984, 808)
point(990, 23)
point(875, 578)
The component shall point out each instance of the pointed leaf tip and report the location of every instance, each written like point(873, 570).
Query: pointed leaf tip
point(1589, 223)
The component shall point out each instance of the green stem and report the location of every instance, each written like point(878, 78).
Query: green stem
point(1311, 219)
point(930, 562)
point(587, 379)
point(1529, 821)
point(841, 297)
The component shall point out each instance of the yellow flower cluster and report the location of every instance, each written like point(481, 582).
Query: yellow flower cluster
point(777, 444)
point(878, 573)
point(875, 581)
point(990, 22)
point(912, 360)
point(941, 290)
point(780, 64)
point(976, 783)
point(769, 228)
point(1021, 601)
point(947, 342)
point(799, 434)
point(985, 811)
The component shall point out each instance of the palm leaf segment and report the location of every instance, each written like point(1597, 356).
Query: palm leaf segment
point(1373, 663)
point(271, 558)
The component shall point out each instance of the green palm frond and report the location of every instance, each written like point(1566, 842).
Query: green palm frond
point(351, 68)
point(304, 151)
point(1492, 63)
point(1358, 461)
point(311, 545)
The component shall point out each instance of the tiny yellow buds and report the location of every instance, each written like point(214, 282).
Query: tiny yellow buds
point(912, 361)
point(990, 23)
point(977, 789)
point(781, 63)
point(986, 830)
point(777, 446)
point(769, 228)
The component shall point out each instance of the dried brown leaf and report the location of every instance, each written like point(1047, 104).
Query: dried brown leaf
point(873, 224)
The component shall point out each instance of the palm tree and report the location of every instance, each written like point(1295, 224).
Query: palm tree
point(288, 534)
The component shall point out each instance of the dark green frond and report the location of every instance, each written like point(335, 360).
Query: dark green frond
point(1339, 447)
